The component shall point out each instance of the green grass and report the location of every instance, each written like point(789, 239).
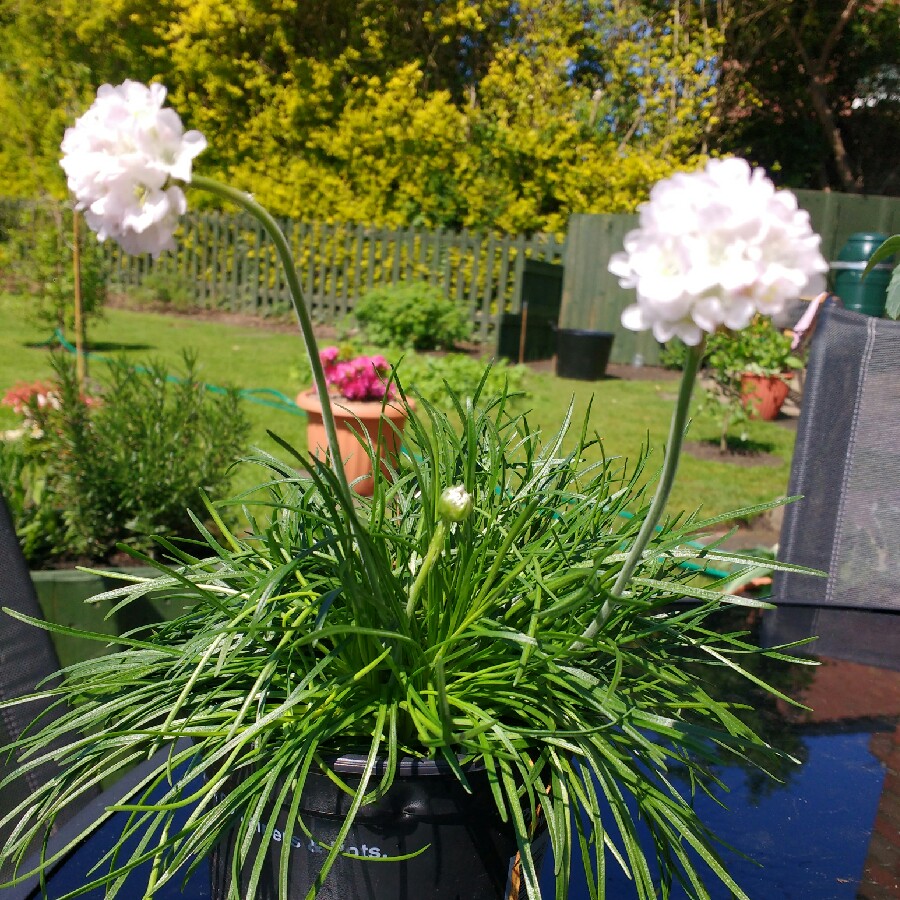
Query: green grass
point(248, 357)
point(625, 413)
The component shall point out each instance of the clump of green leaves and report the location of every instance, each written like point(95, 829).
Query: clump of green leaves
point(884, 254)
point(760, 349)
point(35, 513)
point(384, 627)
point(435, 378)
point(672, 354)
point(412, 314)
point(125, 463)
point(162, 287)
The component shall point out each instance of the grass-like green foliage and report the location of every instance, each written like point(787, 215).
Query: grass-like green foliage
point(127, 467)
point(412, 314)
point(379, 626)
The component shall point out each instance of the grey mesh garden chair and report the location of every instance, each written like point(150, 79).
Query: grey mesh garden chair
point(846, 466)
point(27, 659)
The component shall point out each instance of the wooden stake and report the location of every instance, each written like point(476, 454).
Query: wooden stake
point(80, 362)
point(522, 331)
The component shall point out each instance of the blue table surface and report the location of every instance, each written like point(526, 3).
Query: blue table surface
point(812, 837)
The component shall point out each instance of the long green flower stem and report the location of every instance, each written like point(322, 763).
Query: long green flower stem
point(262, 215)
point(664, 488)
point(434, 551)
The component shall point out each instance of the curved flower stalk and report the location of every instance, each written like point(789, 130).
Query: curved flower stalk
point(127, 160)
point(714, 248)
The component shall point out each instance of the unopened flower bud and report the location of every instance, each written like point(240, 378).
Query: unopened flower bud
point(455, 504)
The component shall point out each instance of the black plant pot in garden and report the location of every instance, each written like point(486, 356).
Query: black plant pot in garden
point(581, 354)
point(463, 850)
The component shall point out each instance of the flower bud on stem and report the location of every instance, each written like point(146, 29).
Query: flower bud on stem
point(454, 505)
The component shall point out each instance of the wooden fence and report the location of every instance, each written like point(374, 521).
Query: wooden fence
point(229, 263)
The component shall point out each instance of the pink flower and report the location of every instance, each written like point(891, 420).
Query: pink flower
point(329, 356)
point(361, 378)
point(25, 397)
point(35, 400)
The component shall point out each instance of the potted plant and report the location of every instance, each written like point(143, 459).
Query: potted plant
point(751, 370)
point(364, 406)
point(426, 686)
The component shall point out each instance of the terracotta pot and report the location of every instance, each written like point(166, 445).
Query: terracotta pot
point(764, 395)
point(351, 416)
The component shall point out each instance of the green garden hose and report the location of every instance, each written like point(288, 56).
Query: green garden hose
point(280, 401)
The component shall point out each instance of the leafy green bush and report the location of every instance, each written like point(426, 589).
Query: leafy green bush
point(42, 261)
point(127, 465)
point(429, 377)
point(36, 514)
point(672, 354)
point(412, 314)
point(761, 349)
point(162, 287)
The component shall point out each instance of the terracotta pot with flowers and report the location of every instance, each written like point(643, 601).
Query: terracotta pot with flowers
point(750, 372)
point(487, 622)
point(368, 419)
point(766, 361)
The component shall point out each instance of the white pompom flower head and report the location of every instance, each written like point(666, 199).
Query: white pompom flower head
point(713, 248)
point(125, 160)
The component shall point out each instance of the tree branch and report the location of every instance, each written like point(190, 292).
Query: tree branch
point(835, 34)
point(819, 95)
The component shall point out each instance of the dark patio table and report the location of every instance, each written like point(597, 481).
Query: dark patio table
point(830, 830)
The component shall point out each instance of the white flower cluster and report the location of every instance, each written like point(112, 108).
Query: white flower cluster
point(122, 158)
point(713, 248)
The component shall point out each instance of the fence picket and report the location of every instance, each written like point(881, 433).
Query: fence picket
point(216, 261)
point(486, 297)
point(357, 259)
point(503, 293)
point(518, 271)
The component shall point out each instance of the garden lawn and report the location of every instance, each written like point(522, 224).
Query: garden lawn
point(626, 414)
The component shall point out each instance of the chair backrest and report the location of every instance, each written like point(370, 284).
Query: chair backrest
point(27, 658)
point(846, 465)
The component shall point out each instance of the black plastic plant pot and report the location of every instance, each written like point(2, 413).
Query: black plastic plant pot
point(464, 851)
point(581, 354)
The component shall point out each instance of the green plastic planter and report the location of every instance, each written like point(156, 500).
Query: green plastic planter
point(63, 596)
point(866, 296)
